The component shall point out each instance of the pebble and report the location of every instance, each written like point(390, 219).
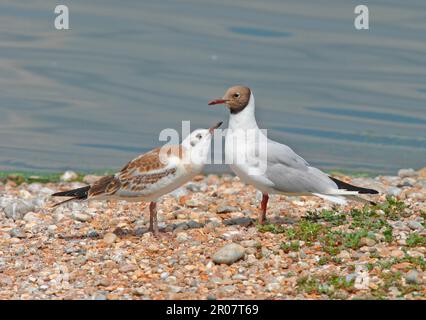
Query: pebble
point(92, 234)
point(68, 176)
point(249, 243)
point(17, 233)
point(367, 242)
point(407, 182)
point(394, 191)
point(197, 187)
point(231, 235)
point(128, 268)
point(194, 224)
point(52, 228)
point(31, 217)
point(82, 217)
point(139, 291)
point(192, 203)
point(244, 221)
point(397, 254)
point(182, 237)
point(164, 275)
point(110, 238)
point(175, 289)
point(226, 209)
point(413, 277)
point(415, 225)
point(18, 209)
point(274, 286)
point(404, 173)
point(229, 254)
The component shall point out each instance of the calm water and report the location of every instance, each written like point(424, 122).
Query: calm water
point(97, 95)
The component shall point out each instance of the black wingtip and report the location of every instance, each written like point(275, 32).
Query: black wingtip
point(350, 187)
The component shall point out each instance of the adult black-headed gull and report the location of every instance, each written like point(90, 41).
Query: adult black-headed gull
point(151, 175)
point(270, 166)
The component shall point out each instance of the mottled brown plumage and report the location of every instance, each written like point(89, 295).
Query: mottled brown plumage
point(151, 175)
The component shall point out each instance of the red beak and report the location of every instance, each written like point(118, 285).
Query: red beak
point(217, 101)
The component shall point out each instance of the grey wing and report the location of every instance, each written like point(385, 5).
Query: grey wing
point(290, 173)
point(280, 153)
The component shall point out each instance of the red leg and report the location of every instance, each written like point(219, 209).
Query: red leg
point(153, 225)
point(263, 208)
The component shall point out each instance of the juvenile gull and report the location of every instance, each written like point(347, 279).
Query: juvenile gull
point(285, 171)
point(151, 175)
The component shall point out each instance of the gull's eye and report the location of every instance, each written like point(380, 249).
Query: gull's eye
point(237, 95)
point(199, 136)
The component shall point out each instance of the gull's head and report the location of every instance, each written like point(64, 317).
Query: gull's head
point(236, 98)
point(197, 144)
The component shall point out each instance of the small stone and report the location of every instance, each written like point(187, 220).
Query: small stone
point(182, 237)
point(229, 254)
point(274, 286)
point(139, 291)
point(18, 209)
point(17, 233)
point(197, 187)
point(397, 254)
point(82, 217)
point(164, 275)
point(194, 224)
point(110, 238)
point(175, 289)
point(413, 277)
point(128, 268)
point(69, 176)
point(239, 277)
point(226, 209)
point(407, 182)
point(244, 221)
point(404, 173)
point(350, 277)
point(31, 217)
point(99, 296)
point(367, 242)
point(415, 225)
point(92, 234)
point(191, 203)
point(52, 228)
point(394, 291)
point(230, 289)
point(249, 243)
point(394, 191)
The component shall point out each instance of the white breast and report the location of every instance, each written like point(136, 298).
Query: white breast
point(242, 155)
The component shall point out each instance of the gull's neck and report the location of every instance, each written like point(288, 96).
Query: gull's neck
point(244, 119)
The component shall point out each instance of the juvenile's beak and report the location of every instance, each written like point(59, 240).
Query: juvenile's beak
point(218, 101)
point(217, 125)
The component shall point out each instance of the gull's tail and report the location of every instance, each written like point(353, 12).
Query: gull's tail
point(347, 191)
point(76, 194)
point(104, 186)
point(349, 187)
